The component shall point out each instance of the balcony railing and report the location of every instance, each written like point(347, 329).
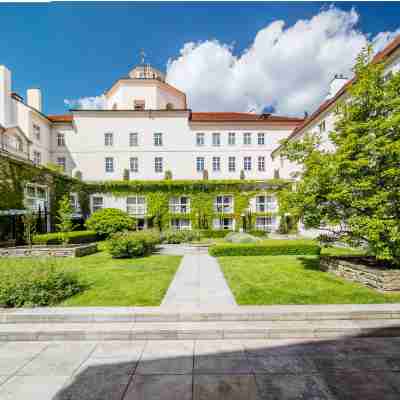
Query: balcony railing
point(14, 151)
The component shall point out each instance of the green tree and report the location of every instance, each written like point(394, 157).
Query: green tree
point(352, 191)
point(29, 220)
point(64, 218)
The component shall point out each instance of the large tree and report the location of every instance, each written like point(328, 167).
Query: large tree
point(353, 192)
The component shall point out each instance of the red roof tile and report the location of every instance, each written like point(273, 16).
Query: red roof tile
point(242, 117)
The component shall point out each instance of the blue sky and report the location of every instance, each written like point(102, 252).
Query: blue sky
point(73, 50)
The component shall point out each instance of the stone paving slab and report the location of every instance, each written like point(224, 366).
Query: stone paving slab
point(188, 370)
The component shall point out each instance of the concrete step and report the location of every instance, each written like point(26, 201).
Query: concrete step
point(200, 330)
point(193, 314)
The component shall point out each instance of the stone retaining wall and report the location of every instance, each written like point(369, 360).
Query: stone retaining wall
point(54, 251)
point(385, 280)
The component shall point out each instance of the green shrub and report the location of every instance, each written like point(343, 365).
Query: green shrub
point(289, 247)
point(37, 283)
point(108, 221)
point(174, 236)
point(241, 237)
point(74, 237)
point(133, 244)
point(214, 234)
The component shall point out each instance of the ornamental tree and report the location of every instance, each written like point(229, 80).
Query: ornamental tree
point(64, 217)
point(352, 191)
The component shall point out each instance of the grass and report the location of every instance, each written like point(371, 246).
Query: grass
point(294, 280)
point(112, 282)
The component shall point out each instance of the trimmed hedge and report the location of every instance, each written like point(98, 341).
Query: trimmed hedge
point(265, 249)
point(217, 234)
point(75, 237)
point(174, 236)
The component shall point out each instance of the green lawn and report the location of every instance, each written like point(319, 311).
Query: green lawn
point(293, 280)
point(111, 282)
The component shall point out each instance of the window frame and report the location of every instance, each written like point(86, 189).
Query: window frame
point(134, 161)
point(157, 139)
point(261, 138)
point(223, 206)
point(136, 208)
point(133, 139)
point(203, 163)
point(200, 139)
point(216, 164)
point(216, 139)
point(247, 163)
point(63, 163)
point(231, 138)
point(60, 139)
point(247, 139)
point(107, 162)
point(261, 163)
point(230, 164)
point(158, 165)
point(108, 139)
point(177, 206)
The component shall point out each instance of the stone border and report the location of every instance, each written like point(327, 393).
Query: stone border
point(385, 280)
point(78, 250)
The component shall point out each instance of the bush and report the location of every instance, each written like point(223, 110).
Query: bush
point(174, 236)
point(37, 283)
point(107, 221)
point(241, 237)
point(74, 237)
point(133, 244)
point(209, 233)
point(271, 248)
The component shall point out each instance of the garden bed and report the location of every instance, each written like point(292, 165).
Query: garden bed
point(362, 269)
point(73, 250)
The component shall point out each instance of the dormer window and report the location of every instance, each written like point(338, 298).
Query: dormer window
point(139, 105)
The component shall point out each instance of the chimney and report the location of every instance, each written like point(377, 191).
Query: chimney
point(5, 96)
point(338, 81)
point(34, 98)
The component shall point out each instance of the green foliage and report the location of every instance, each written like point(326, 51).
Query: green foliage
point(287, 224)
point(29, 220)
point(125, 175)
point(132, 244)
point(268, 248)
point(74, 237)
point(107, 221)
point(55, 167)
point(242, 175)
point(36, 283)
point(217, 234)
point(174, 236)
point(259, 233)
point(168, 175)
point(64, 217)
point(353, 193)
point(241, 237)
point(78, 175)
point(205, 175)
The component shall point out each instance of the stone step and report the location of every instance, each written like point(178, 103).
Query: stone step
point(193, 314)
point(200, 330)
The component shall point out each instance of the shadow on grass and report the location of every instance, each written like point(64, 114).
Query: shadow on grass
point(351, 368)
point(310, 263)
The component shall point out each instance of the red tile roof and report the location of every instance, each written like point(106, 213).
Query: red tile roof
point(382, 55)
point(242, 117)
point(60, 118)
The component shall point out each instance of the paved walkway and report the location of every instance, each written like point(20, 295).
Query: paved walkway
point(199, 281)
point(348, 368)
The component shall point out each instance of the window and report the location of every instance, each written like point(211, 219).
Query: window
point(136, 205)
point(158, 164)
point(139, 105)
point(200, 139)
point(158, 139)
point(61, 162)
point(322, 127)
point(261, 163)
point(108, 139)
point(247, 138)
point(265, 203)
point(265, 223)
point(97, 203)
point(73, 201)
point(232, 164)
point(35, 197)
point(179, 205)
point(200, 164)
point(247, 163)
point(180, 224)
point(216, 139)
point(37, 157)
point(223, 224)
point(133, 139)
point(223, 204)
point(231, 138)
point(261, 138)
point(134, 164)
point(216, 164)
point(36, 131)
point(60, 140)
point(109, 164)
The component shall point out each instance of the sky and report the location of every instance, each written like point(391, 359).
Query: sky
point(246, 57)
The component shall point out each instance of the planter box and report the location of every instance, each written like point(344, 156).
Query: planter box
point(352, 268)
point(53, 251)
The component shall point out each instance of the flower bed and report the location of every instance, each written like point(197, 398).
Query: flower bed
point(53, 251)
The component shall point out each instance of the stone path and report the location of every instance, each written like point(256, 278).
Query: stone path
point(199, 281)
point(340, 369)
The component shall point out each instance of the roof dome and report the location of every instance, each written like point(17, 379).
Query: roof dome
point(146, 71)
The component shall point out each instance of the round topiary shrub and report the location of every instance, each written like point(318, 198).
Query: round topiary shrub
point(108, 221)
point(174, 236)
point(241, 237)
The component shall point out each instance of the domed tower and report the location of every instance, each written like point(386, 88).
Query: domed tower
point(144, 89)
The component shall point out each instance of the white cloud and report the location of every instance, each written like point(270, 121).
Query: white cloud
point(87, 103)
point(288, 68)
point(383, 38)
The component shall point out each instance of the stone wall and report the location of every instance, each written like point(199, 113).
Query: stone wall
point(386, 280)
point(54, 251)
